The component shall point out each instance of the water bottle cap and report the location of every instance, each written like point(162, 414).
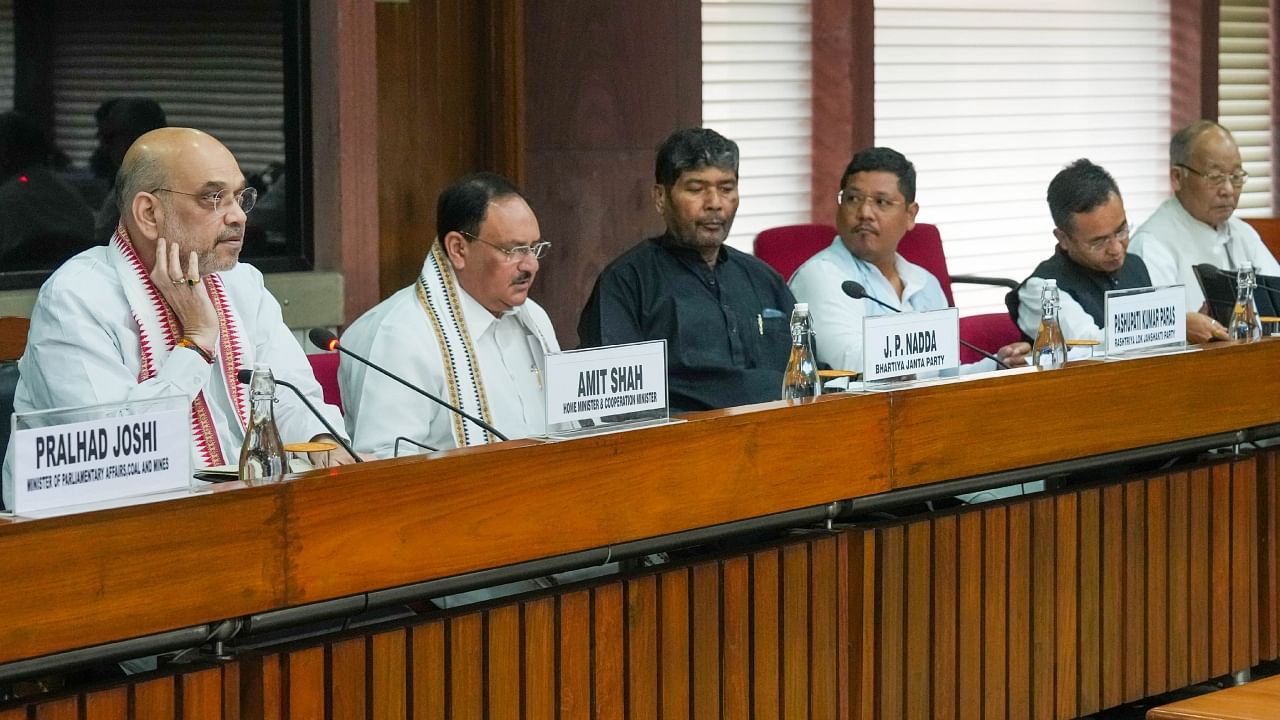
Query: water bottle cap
point(1246, 266)
point(260, 366)
point(1050, 283)
point(802, 307)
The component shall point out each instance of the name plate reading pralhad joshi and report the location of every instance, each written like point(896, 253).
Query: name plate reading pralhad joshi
point(910, 343)
point(608, 381)
point(120, 455)
point(1144, 319)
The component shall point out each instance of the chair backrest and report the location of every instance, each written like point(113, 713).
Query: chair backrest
point(923, 246)
point(13, 337)
point(325, 367)
point(786, 248)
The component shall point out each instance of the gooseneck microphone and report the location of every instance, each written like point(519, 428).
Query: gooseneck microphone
point(326, 340)
point(854, 289)
point(245, 376)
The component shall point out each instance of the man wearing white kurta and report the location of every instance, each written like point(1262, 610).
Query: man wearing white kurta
point(465, 332)
point(1196, 225)
point(166, 308)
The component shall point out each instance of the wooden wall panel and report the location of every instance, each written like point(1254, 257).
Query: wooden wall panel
point(448, 105)
point(596, 110)
point(1061, 605)
point(1269, 555)
point(843, 93)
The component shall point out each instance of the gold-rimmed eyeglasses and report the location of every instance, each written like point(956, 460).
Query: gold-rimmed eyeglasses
point(854, 200)
point(246, 198)
point(517, 253)
point(1237, 178)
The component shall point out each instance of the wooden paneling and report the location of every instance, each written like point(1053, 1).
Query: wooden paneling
point(596, 109)
point(943, 448)
point(1269, 230)
point(344, 162)
point(1063, 605)
point(13, 337)
point(843, 93)
point(348, 540)
point(97, 596)
point(450, 103)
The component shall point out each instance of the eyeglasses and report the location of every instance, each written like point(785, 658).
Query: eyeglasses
point(1098, 243)
point(854, 201)
point(516, 253)
point(246, 198)
point(1237, 178)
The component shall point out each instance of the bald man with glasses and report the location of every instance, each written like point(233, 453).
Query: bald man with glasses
point(1197, 225)
point(166, 308)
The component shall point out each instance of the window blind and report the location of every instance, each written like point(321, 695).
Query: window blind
point(1244, 95)
point(756, 90)
point(991, 98)
point(215, 66)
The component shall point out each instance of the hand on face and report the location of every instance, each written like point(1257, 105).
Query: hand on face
point(185, 292)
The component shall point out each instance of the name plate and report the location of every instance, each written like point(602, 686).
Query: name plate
point(122, 455)
point(907, 343)
point(1145, 318)
point(614, 380)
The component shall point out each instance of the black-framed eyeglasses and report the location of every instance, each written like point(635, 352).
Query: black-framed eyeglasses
point(1237, 178)
point(516, 253)
point(854, 200)
point(246, 198)
point(1096, 244)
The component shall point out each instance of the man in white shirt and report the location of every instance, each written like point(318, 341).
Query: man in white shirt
point(466, 332)
point(1090, 259)
point(875, 208)
point(1196, 225)
point(166, 308)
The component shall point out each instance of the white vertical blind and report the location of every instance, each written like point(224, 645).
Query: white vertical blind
point(757, 91)
point(991, 98)
point(1244, 94)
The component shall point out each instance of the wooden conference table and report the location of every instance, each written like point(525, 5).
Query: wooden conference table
point(1052, 605)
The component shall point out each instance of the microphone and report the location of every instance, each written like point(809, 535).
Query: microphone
point(326, 340)
point(854, 289)
point(244, 376)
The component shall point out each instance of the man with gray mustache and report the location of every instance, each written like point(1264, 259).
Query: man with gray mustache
point(724, 314)
point(466, 331)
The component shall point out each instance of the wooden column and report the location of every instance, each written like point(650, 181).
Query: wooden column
point(843, 93)
point(605, 82)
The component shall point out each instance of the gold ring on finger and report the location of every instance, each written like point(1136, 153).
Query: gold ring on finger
point(190, 282)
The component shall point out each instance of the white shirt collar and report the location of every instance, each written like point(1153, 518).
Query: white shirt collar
point(477, 316)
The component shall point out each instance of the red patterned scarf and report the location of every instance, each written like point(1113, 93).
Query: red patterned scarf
point(159, 332)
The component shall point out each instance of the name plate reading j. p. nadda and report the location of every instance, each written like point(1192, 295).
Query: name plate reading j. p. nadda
point(1145, 318)
point(909, 343)
point(619, 380)
point(121, 453)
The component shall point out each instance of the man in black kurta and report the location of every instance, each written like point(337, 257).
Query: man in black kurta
point(724, 314)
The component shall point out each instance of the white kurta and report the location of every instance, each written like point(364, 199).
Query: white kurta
point(398, 335)
point(1076, 324)
point(837, 318)
point(1172, 243)
point(83, 349)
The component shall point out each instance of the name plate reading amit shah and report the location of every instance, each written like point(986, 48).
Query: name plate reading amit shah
point(118, 456)
point(1145, 318)
point(620, 380)
point(909, 343)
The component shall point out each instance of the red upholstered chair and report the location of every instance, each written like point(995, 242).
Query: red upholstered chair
point(991, 331)
point(325, 367)
point(786, 248)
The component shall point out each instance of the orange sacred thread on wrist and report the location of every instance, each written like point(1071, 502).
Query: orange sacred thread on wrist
point(187, 342)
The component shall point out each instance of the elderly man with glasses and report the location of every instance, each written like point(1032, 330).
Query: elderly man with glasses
point(465, 331)
point(875, 208)
point(1091, 258)
point(166, 308)
point(1196, 225)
